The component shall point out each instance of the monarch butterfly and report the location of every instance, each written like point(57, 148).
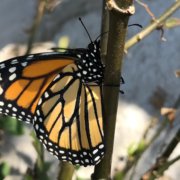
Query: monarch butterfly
point(61, 95)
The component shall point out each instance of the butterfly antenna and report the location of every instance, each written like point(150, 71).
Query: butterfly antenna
point(138, 25)
point(85, 29)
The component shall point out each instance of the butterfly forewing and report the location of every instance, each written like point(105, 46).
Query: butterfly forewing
point(24, 79)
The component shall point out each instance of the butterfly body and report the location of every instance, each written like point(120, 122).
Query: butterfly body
point(61, 95)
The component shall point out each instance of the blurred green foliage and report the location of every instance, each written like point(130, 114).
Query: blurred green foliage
point(11, 125)
point(41, 167)
point(4, 170)
point(136, 149)
point(119, 176)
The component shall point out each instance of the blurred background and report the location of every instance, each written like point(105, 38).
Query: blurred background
point(148, 70)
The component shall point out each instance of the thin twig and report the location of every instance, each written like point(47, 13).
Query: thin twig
point(146, 31)
point(36, 23)
point(147, 9)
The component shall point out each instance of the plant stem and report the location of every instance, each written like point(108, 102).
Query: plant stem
point(158, 22)
point(66, 171)
point(115, 50)
point(36, 23)
point(104, 31)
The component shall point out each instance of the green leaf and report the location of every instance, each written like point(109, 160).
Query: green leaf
point(136, 148)
point(172, 22)
point(4, 170)
point(11, 125)
point(119, 176)
point(28, 177)
point(63, 43)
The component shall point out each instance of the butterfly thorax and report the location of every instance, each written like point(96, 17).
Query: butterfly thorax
point(90, 67)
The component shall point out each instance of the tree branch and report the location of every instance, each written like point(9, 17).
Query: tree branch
point(115, 50)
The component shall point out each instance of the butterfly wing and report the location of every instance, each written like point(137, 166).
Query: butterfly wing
point(24, 79)
point(68, 119)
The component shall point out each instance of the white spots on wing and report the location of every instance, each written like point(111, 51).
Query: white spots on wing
point(41, 137)
point(45, 141)
point(76, 161)
point(40, 101)
point(1, 90)
point(29, 116)
point(12, 69)
point(101, 146)
point(9, 105)
point(78, 55)
point(87, 160)
point(14, 109)
point(14, 61)
point(57, 77)
point(30, 57)
point(12, 77)
point(28, 120)
point(36, 126)
point(40, 119)
point(63, 157)
point(92, 54)
point(84, 72)
point(49, 53)
point(97, 158)
point(41, 130)
point(38, 112)
point(23, 113)
point(50, 149)
point(46, 94)
point(20, 117)
point(14, 115)
point(80, 67)
point(2, 66)
point(24, 64)
point(1, 103)
point(61, 152)
point(79, 74)
point(95, 151)
point(50, 144)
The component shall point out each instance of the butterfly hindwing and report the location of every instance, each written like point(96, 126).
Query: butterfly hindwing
point(69, 119)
